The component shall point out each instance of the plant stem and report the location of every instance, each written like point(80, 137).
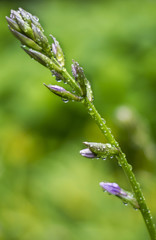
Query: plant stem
point(126, 167)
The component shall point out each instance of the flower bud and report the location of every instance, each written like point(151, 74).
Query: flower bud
point(24, 26)
point(63, 93)
point(40, 38)
point(80, 77)
point(41, 58)
point(13, 24)
point(57, 51)
point(29, 18)
point(14, 14)
point(114, 189)
point(25, 40)
point(89, 91)
point(87, 153)
point(25, 15)
point(102, 150)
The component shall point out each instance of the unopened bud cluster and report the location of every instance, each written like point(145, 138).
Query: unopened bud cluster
point(26, 28)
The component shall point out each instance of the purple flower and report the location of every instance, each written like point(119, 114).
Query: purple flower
point(113, 188)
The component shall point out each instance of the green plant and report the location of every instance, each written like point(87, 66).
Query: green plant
point(28, 30)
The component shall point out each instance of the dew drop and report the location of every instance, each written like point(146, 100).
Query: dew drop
point(58, 80)
point(135, 208)
point(103, 120)
point(125, 203)
point(65, 100)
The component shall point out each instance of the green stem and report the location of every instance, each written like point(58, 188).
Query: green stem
point(126, 167)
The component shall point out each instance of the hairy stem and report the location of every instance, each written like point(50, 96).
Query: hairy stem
point(125, 166)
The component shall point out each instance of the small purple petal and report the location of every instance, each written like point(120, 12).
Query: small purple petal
point(87, 153)
point(112, 188)
point(74, 71)
point(54, 48)
point(55, 88)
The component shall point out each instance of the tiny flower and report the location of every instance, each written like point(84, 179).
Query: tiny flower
point(57, 51)
point(80, 77)
point(63, 93)
point(114, 189)
point(87, 153)
point(40, 38)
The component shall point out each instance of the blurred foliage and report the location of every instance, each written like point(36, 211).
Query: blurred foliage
point(48, 191)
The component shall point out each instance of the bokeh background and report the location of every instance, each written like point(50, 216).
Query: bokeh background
point(47, 190)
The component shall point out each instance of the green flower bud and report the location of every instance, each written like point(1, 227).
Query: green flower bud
point(79, 76)
point(102, 150)
point(13, 24)
point(40, 38)
point(89, 90)
point(41, 58)
point(83, 82)
point(25, 40)
point(14, 14)
point(63, 93)
point(25, 15)
point(29, 18)
point(24, 26)
point(57, 51)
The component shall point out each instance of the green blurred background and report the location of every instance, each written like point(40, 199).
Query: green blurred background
point(47, 190)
